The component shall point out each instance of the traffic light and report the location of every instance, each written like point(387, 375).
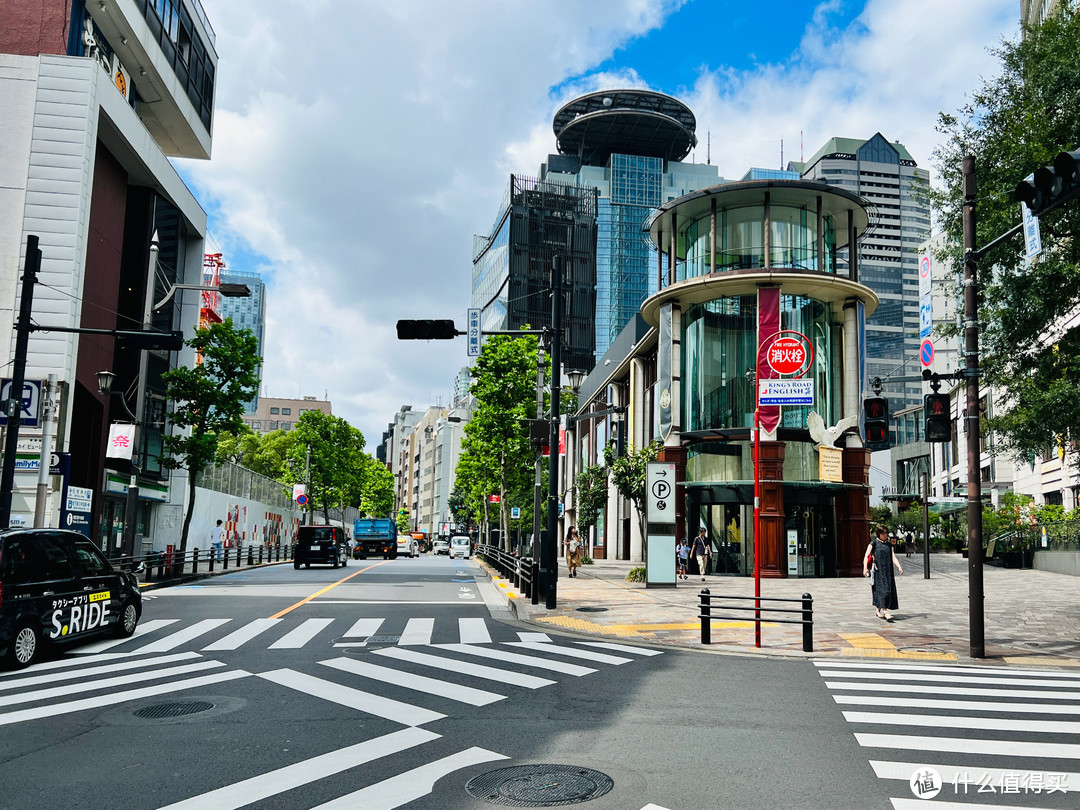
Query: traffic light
point(938, 416)
point(167, 341)
point(426, 330)
point(876, 422)
point(1052, 185)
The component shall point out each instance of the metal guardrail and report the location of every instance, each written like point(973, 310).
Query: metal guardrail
point(519, 570)
point(161, 565)
point(806, 610)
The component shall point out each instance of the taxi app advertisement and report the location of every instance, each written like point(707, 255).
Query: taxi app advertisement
point(87, 613)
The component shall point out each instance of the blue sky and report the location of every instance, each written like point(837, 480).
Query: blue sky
point(360, 145)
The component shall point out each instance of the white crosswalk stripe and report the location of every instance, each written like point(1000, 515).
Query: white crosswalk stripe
point(299, 636)
point(246, 633)
point(174, 640)
point(572, 652)
point(421, 683)
point(514, 658)
point(143, 629)
point(964, 735)
point(496, 674)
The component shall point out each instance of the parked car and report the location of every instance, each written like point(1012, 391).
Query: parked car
point(408, 546)
point(460, 546)
point(441, 547)
point(57, 587)
point(324, 545)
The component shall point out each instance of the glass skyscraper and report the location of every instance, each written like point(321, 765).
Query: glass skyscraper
point(247, 313)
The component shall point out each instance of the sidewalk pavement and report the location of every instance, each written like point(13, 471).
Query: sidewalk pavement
point(1031, 618)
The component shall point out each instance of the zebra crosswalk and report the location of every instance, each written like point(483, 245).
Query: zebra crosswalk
point(223, 634)
point(964, 736)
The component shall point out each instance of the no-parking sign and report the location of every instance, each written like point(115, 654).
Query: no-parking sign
point(926, 353)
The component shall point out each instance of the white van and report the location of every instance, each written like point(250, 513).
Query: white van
point(460, 546)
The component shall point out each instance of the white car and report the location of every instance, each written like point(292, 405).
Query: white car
point(407, 546)
point(460, 546)
point(441, 547)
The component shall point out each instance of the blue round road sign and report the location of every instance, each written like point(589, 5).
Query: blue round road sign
point(926, 352)
point(301, 499)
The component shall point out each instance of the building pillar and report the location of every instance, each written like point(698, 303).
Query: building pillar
point(853, 512)
point(772, 545)
point(677, 455)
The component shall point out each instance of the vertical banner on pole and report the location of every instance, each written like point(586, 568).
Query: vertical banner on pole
point(663, 371)
point(768, 327)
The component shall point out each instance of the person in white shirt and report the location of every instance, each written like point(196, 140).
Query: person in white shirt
point(216, 542)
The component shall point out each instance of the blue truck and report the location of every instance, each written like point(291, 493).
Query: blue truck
point(375, 537)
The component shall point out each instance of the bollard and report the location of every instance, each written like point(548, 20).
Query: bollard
point(211, 559)
point(251, 555)
point(808, 623)
point(225, 561)
point(260, 554)
point(239, 551)
point(194, 561)
point(706, 620)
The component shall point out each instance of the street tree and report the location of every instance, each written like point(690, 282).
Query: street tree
point(208, 401)
point(591, 486)
point(497, 457)
point(628, 474)
point(337, 464)
point(1013, 124)
point(376, 489)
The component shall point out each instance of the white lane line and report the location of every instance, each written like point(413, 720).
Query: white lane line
point(957, 774)
point(1031, 673)
point(505, 676)
point(420, 683)
point(626, 648)
point(934, 804)
point(572, 652)
point(945, 721)
point(404, 713)
point(417, 631)
point(411, 785)
point(174, 640)
point(959, 745)
point(242, 635)
point(965, 705)
point(892, 688)
point(908, 677)
point(301, 635)
point(271, 783)
point(473, 631)
point(141, 630)
point(514, 658)
point(38, 680)
point(363, 628)
point(64, 663)
point(119, 697)
point(537, 638)
point(107, 683)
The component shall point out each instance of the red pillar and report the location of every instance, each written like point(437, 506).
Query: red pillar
point(772, 544)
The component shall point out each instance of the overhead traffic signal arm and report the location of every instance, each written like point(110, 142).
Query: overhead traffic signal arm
point(427, 330)
point(1051, 186)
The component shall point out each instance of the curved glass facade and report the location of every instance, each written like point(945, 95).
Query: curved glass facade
point(718, 349)
point(740, 240)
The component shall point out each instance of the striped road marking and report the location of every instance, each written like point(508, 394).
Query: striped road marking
point(572, 652)
point(141, 630)
point(299, 636)
point(514, 658)
point(174, 640)
point(505, 676)
point(243, 635)
point(419, 683)
point(417, 632)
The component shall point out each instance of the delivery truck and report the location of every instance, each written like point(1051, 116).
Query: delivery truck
point(375, 537)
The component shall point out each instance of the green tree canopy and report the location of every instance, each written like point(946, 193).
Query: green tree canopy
point(208, 400)
point(628, 474)
point(337, 464)
point(1013, 124)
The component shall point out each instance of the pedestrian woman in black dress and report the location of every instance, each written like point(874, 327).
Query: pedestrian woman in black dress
point(878, 562)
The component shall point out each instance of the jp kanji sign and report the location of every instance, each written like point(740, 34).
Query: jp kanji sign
point(789, 354)
point(121, 441)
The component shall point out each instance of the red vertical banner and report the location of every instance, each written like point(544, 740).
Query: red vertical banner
point(768, 329)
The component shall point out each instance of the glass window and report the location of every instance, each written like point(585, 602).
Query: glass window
point(273, 425)
point(286, 411)
point(91, 563)
point(21, 562)
point(274, 411)
point(57, 556)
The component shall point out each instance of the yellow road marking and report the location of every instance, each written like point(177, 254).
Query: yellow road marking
point(1042, 659)
point(642, 630)
point(307, 599)
point(924, 655)
point(867, 641)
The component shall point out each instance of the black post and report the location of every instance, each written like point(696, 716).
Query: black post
point(31, 265)
point(705, 614)
point(195, 561)
point(552, 544)
point(976, 629)
point(926, 525)
point(808, 623)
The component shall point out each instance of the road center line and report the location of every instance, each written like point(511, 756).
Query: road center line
point(307, 599)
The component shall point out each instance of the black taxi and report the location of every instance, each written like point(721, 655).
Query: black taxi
point(320, 544)
point(57, 587)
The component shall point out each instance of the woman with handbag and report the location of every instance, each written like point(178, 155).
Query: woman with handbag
point(878, 562)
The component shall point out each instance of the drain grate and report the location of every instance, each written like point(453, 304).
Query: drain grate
point(161, 710)
point(590, 609)
point(539, 785)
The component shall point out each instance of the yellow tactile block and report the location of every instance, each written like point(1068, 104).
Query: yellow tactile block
point(867, 641)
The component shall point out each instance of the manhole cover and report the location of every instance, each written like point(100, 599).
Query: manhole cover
point(383, 639)
point(162, 710)
point(590, 609)
point(539, 785)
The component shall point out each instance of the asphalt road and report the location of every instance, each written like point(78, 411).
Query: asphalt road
point(393, 684)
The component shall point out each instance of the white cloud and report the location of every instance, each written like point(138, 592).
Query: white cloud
point(358, 146)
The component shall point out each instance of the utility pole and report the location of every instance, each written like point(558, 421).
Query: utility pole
point(13, 405)
point(976, 629)
point(538, 486)
point(47, 404)
point(308, 519)
point(551, 555)
point(926, 525)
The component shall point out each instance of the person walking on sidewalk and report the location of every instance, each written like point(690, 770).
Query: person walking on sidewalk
point(878, 561)
point(700, 550)
point(216, 534)
point(682, 551)
point(573, 551)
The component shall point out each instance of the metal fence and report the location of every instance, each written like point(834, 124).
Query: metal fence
point(160, 566)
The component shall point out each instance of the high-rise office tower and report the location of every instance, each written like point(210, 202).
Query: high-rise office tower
point(247, 313)
point(889, 178)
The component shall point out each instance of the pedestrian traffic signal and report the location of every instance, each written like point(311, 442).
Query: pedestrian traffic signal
point(876, 423)
point(938, 415)
point(426, 330)
point(1051, 185)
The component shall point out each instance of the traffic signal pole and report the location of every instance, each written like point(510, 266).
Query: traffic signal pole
point(550, 554)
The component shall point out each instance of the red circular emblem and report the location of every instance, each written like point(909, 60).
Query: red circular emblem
point(788, 355)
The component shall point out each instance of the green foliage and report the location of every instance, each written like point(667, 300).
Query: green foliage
point(882, 515)
point(377, 489)
point(636, 574)
point(591, 495)
point(403, 521)
point(208, 400)
point(337, 464)
point(1013, 124)
point(628, 474)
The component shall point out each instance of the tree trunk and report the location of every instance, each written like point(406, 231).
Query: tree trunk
point(190, 511)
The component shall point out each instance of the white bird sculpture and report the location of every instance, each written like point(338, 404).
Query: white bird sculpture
point(828, 436)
